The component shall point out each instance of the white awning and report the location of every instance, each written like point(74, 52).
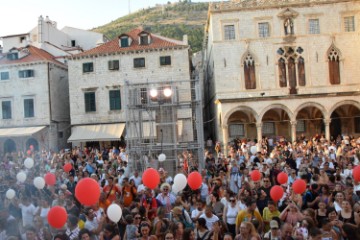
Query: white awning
point(20, 132)
point(98, 132)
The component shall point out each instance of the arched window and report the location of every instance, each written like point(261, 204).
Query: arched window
point(9, 146)
point(301, 70)
point(249, 72)
point(282, 72)
point(334, 66)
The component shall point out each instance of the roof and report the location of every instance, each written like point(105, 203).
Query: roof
point(113, 46)
point(15, 35)
point(35, 55)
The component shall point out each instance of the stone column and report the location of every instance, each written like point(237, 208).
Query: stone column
point(293, 130)
point(259, 131)
point(327, 122)
point(225, 133)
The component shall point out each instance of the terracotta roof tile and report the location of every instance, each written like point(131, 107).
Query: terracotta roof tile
point(156, 42)
point(35, 55)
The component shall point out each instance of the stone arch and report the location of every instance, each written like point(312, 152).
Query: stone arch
point(339, 104)
point(245, 55)
point(272, 106)
point(330, 49)
point(32, 142)
point(311, 104)
point(239, 108)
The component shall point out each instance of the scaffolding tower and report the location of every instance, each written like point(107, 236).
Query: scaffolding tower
point(164, 117)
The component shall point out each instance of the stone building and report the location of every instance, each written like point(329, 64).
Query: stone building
point(110, 91)
point(279, 68)
point(34, 90)
point(34, 100)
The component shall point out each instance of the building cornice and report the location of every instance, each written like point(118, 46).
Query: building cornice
point(288, 97)
point(245, 5)
point(25, 64)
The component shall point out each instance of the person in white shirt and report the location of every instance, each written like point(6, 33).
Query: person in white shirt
point(198, 211)
point(28, 211)
point(92, 223)
point(136, 178)
point(209, 217)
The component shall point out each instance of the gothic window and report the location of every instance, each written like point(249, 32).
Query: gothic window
point(249, 72)
point(291, 67)
point(334, 66)
point(292, 72)
point(282, 72)
point(301, 71)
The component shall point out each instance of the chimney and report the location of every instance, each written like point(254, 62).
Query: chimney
point(185, 39)
point(40, 29)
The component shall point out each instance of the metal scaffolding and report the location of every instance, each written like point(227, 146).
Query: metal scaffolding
point(164, 117)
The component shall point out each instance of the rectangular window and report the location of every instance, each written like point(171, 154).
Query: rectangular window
point(349, 24)
point(236, 130)
point(4, 76)
point(26, 73)
point(143, 96)
point(73, 43)
point(114, 65)
point(144, 40)
point(60, 134)
point(115, 99)
point(88, 67)
point(314, 26)
point(268, 128)
point(6, 109)
point(124, 42)
point(229, 32)
point(28, 108)
point(165, 60)
point(139, 62)
point(300, 126)
point(12, 56)
point(264, 29)
point(90, 102)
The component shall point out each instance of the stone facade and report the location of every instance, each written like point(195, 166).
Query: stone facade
point(262, 33)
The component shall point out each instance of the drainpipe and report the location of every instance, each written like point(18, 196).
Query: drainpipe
point(49, 100)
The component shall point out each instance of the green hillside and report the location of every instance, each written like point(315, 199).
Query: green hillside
point(171, 20)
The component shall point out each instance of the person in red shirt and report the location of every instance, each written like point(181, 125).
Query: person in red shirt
point(111, 190)
point(150, 203)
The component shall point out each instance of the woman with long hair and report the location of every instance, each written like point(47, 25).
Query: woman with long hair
point(201, 231)
point(189, 234)
point(160, 225)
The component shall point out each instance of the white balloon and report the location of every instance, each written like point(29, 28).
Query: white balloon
point(39, 182)
point(162, 157)
point(29, 163)
point(174, 189)
point(10, 194)
point(253, 150)
point(180, 181)
point(21, 177)
point(114, 212)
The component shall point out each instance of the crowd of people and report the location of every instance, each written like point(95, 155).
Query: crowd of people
point(228, 205)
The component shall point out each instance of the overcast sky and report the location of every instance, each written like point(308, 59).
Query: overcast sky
point(20, 16)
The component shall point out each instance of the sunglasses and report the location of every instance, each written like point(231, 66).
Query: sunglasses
point(166, 189)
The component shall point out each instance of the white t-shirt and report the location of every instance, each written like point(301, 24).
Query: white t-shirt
point(28, 213)
point(210, 221)
point(231, 214)
point(196, 213)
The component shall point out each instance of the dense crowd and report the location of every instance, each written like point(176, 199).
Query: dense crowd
point(228, 205)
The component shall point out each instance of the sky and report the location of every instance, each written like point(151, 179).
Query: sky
point(20, 16)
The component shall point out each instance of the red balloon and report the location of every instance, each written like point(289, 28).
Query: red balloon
point(87, 191)
point(50, 179)
point(299, 186)
point(67, 167)
point(194, 180)
point(356, 173)
point(57, 217)
point(276, 193)
point(255, 175)
point(282, 178)
point(28, 152)
point(151, 178)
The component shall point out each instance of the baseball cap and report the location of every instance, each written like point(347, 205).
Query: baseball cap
point(274, 224)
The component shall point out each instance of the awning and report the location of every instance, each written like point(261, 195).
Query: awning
point(20, 132)
point(98, 132)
